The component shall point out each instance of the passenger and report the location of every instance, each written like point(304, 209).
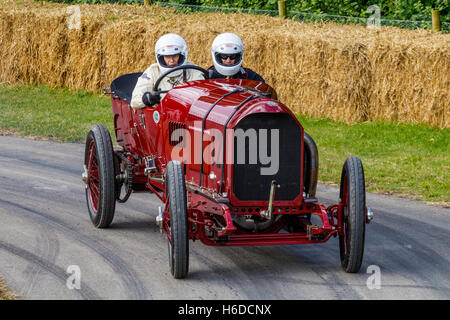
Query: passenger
point(227, 53)
point(171, 50)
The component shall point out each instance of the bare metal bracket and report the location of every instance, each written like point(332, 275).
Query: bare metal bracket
point(268, 213)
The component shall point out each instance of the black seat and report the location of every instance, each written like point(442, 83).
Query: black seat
point(123, 86)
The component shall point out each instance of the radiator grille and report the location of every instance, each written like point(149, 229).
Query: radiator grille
point(249, 184)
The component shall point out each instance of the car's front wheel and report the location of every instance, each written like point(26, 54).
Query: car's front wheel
point(100, 178)
point(177, 227)
point(353, 200)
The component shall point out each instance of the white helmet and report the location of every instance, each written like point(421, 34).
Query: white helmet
point(168, 45)
point(227, 44)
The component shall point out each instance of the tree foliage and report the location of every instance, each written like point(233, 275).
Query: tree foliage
point(390, 9)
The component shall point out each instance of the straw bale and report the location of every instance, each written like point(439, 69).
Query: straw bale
point(347, 73)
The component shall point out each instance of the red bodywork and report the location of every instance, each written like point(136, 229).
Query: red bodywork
point(212, 203)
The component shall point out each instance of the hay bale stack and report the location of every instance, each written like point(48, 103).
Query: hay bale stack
point(347, 73)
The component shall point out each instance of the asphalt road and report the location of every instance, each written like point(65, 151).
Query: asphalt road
point(45, 229)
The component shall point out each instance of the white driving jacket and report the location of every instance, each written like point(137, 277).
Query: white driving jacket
point(147, 80)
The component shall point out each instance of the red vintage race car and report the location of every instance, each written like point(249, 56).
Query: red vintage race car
point(231, 164)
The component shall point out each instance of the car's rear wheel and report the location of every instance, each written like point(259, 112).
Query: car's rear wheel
point(100, 183)
point(177, 227)
point(353, 199)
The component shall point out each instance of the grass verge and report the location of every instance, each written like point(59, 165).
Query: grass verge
point(59, 114)
point(5, 294)
point(405, 160)
point(399, 159)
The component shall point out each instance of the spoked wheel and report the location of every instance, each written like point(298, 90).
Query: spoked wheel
point(353, 198)
point(100, 180)
point(176, 220)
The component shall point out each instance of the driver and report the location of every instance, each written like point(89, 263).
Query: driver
point(227, 53)
point(171, 50)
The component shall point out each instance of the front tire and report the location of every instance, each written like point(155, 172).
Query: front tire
point(353, 198)
point(101, 184)
point(176, 210)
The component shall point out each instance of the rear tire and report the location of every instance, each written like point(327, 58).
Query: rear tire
point(101, 185)
point(353, 197)
point(177, 205)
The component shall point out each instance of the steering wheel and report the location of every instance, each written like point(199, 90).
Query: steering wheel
point(165, 74)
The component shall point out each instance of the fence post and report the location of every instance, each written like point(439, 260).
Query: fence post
point(282, 8)
point(435, 20)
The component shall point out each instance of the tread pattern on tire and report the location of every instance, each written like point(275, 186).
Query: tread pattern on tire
point(356, 213)
point(107, 192)
point(178, 219)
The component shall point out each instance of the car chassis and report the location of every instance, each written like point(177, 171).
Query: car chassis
point(217, 202)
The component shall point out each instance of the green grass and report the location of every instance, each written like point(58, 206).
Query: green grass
point(5, 294)
point(399, 159)
point(60, 114)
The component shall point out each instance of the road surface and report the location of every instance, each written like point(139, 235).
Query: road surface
point(46, 237)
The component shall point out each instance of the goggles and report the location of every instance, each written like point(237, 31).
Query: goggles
point(225, 56)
